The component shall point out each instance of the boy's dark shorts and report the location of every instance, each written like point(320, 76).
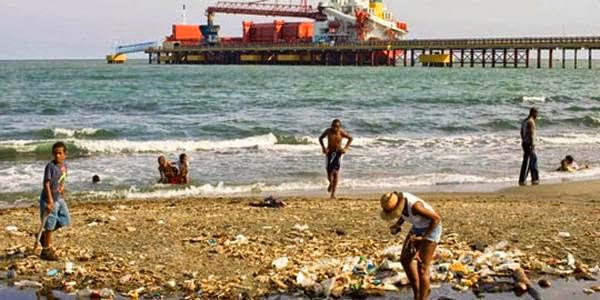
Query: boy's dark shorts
point(334, 160)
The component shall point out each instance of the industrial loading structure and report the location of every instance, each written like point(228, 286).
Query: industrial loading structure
point(329, 25)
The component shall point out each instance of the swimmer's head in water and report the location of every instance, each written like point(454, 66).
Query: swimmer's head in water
point(182, 157)
point(162, 160)
point(569, 159)
point(95, 179)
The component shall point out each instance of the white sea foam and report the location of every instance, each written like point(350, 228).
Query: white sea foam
point(534, 99)
point(65, 132)
point(571, 139)
point(269, 142)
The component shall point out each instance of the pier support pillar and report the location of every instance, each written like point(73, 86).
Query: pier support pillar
point(462, 57)
point(493, 58)
point(412, 57)
point(526, 58)
point(504, 53)
point(575, 61)
point(539, 58)
point(341, 58)
point(516, 59)
point(483, 53)
point(563, 57)
point(590, 58)
point(472, 58)
point(451, 58)
point(372, 58)
point(550, 52)
point(405, 54)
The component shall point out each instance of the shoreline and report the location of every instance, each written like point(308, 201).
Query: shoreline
point(223, 247)
point(352, 193)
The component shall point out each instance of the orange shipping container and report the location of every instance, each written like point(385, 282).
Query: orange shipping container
point(186, 32)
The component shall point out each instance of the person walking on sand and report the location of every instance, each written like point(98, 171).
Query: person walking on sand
point(528, 135)
point(54, 212)
point(334, 151)
point(421, 241)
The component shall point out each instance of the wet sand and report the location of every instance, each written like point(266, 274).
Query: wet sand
point(223, 247)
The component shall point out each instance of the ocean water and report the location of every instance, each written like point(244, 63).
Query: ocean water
point(254, 129)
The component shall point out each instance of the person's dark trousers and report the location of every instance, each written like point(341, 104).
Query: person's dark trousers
point(529, 164)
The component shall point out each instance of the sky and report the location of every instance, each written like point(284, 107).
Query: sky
point(60, 29)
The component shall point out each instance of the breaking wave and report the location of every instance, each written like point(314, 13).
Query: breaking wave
point(36, 149)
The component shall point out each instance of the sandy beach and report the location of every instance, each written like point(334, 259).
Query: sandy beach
point(223, 247)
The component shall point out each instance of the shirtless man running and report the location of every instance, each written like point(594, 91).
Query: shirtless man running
point(334, 151)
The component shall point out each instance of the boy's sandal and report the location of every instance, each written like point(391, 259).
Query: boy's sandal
point(49, 254)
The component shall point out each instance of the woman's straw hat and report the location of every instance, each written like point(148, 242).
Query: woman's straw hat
point(391, 205)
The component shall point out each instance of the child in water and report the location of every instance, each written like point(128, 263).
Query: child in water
point(421, 241)
point(168, 173)
point(183, 166)
point(569, 165)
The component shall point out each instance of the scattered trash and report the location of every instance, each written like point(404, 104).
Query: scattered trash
point(300, 228)
point(588, 291)
point(11, 228)
point(131, 228)
point(240, 239)
point(270, 202)
point(52, 272)
point(10, 274)
point(390, 265)
point(544, 283)
point(280, 263)
point(564, 234)
point(124, 279)
point(69, 268)
point(161, 222)
point(28, 284)
point(106, 293)
point(92, 224)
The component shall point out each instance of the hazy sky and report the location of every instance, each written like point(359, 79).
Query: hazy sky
point(89, 29)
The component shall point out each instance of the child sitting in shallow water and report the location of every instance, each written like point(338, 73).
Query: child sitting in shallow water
point(168, 173)
point(569, 165)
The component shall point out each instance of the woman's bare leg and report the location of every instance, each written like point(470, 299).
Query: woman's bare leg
point(426, 252)
point(410, 266)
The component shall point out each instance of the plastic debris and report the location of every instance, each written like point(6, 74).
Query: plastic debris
point(270, 202)
point(52, 272)
point(10, 274)
point(240, 239)
point(69, 268)
point(564, 234)
point(588, 291)
point(570, 260)
point(28, 284)
point(301, 228)
point(280, 263)
point(390, 265)
point(106, 293)
point(458, 269)
point(11, 228)
point(124, 279)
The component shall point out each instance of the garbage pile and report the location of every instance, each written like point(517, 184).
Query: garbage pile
point(498, 268)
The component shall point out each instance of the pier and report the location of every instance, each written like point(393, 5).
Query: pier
point(486, 53)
